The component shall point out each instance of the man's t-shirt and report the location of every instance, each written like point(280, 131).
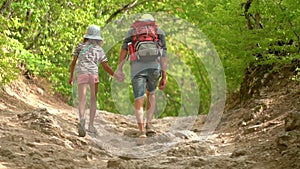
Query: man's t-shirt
point(138, 66)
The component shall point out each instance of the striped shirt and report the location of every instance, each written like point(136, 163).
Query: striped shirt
point(89, 56)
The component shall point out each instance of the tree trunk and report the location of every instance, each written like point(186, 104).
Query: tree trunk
point(247, 15)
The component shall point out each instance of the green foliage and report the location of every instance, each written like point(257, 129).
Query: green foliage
point(296, 77)
point(40, 37)
point(12, 53)
point(7, 63)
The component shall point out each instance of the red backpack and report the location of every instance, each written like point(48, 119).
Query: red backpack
point(145, 41)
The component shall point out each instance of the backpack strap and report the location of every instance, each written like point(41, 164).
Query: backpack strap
point(84, 50)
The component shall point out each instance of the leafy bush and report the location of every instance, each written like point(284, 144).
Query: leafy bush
point(40, 36)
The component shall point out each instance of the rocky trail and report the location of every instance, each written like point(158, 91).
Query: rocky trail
point(38, 130)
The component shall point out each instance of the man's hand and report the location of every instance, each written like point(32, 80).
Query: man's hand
point(162, 83)
point(120, 76)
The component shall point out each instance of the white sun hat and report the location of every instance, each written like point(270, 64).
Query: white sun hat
point(93, 32)
point(146, 17)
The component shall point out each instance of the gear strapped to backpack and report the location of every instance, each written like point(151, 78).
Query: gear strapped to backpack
point(145, 45)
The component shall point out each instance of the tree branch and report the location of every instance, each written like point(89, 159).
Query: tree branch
point(247, 15)
point(124, 9)
point(5, 6)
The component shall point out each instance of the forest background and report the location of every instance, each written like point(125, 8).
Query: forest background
point(38, 38)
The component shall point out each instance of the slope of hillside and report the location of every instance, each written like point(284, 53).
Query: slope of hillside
point(38, 130)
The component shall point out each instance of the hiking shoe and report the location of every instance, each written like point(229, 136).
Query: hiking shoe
point(92, 129)
point(142, 134)
point(81, 128)
point(149, 129)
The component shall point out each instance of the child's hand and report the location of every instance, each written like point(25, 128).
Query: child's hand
point(120, 76)
point(71, 81)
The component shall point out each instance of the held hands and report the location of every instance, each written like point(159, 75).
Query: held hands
point(120, 76)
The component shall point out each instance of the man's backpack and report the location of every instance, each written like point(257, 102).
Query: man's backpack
point(145, 40)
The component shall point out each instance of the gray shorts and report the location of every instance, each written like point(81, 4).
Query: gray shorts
point(145, 79)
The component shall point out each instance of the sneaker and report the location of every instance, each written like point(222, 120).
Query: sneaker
point(92, 129)
point(142, 134)
point(81, 128)
point(149, 129)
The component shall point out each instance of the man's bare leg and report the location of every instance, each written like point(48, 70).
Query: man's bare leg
point(139, 113)
point(151, 104)
point(82, 88)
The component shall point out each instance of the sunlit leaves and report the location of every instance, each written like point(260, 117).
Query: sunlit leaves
point(44, 33)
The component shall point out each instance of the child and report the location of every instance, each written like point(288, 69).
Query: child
point(89, 54)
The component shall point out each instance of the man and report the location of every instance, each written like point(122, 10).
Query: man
point(146, 45)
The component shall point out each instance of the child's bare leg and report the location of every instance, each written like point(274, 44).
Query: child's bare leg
point(94, 91)
point(82, 88)
point(81, 107)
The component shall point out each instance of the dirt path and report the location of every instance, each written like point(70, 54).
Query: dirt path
point(39, 131)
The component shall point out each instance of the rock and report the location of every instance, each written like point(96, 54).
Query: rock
point(292, 121)
point(191, 149)
point(198, 123)
point(172, 159)
point(6, 153)
point(166, 137)
point(237, 138)
point(131, 133)
point(287, 139)
point(43, 121)
point(47, 159)
point(238, 153)
point(198, 162)
point(247, 116)
point(186, 134)
point(114, 163)
point(40, 91)
point(88, 157)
